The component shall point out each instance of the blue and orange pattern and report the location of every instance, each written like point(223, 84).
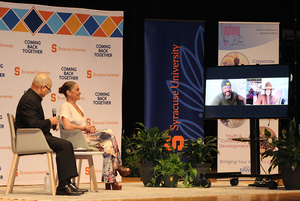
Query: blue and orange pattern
point(61, 23)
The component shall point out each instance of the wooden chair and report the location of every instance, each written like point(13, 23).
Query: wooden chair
point(27, 141)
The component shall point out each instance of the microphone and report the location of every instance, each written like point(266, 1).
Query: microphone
point(54, 115)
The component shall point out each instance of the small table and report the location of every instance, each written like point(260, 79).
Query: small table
point(246, 139)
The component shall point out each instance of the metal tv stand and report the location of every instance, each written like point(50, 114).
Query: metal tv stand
point(261, 180)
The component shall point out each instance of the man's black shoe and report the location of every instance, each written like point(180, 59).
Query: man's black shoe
point(67, 190)
point(75, 188)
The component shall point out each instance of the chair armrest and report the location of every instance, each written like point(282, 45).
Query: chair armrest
point(70, 132)
point(75, 136)
point(31, 140)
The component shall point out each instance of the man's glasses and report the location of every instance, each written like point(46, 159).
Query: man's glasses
point(49, 90)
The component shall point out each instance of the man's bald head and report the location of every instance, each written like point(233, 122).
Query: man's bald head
point(41, 79)
point(40, 82)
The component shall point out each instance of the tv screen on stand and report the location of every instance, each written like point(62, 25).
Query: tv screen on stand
point(245, 92)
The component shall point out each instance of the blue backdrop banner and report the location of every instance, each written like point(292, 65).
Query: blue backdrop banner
point(174, 78)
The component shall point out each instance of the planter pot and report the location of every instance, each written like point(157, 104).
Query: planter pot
point(201, 168)
point(170, 181)
point(147, 173)
point(290, 178)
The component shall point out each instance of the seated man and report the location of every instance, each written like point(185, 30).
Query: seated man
point(30, 114)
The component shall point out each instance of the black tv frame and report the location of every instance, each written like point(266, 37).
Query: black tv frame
point(246, 111)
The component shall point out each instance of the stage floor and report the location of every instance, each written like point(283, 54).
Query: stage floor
point(134, 190)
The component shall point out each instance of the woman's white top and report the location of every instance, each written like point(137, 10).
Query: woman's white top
point(68, 111)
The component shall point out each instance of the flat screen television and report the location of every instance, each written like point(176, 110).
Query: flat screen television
point(245, 92)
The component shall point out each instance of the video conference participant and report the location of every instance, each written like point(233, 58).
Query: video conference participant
point(30, 114)
point(267, 98)
point(228, 97)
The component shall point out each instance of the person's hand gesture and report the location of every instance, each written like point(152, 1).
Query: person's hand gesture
point(254, 86)
point(91, 129)
point(54, 121)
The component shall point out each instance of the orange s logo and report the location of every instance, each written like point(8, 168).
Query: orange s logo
point(87, 171)
point(88, 121)
point(54, 48)
point(53, 97)
point(176, 139)
point(17, 71)
point(89, 74)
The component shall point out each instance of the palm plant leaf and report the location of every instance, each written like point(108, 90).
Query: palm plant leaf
point(287, 147)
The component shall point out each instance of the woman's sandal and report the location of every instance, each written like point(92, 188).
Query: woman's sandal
point(113, 186)
point(123, 171)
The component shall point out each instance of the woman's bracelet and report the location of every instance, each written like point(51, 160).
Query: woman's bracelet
point(84, 129)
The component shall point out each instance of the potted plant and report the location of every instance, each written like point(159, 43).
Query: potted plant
point(129, 156)
point(171, 169)
point(286, 155)
point(150, 146)
point(200, 153)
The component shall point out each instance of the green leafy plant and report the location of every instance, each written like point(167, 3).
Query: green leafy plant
point(150, 145)
point(200, 150)
point(287, 147)
point(173, 166)
point(189, 176)
point(129, 156)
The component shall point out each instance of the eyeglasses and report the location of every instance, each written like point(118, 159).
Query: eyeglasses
point(49, 90)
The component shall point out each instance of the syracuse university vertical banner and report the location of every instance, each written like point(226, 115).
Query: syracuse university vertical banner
point(68, 44)
point(174, 78)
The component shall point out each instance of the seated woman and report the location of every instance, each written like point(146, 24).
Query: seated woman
point(73, 117)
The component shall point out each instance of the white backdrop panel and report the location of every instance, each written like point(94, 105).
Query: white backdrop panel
point(73, 51)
